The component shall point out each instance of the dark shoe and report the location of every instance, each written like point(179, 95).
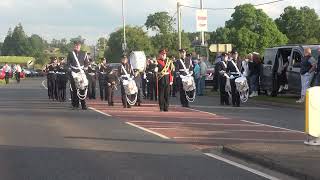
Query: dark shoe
point(166, 110)
point(84, 108)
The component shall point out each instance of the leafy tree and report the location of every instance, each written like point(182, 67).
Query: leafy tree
point(249, 29)
point(137, 40)
point(160, 22)
point(20, 44)
point(300, 25)
point(6, 49)
point(102, 46)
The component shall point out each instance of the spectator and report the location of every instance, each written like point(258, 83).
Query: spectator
point(318, 70)
point(196, 71)
point(254, 72)
point(308, 66)
point(245, 65)
point(283, 79)
point(203, 73)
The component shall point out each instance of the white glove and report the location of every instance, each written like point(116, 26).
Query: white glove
point(109, 84)
point(156, 69)
point(171, 83)
point(231, 77)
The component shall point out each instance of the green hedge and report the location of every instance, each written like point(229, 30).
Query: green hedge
point(15, 59)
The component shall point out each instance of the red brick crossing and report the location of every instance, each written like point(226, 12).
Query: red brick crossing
point(201, 129)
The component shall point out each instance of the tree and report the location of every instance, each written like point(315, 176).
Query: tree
point(160, 22)
point(249, 29)
point(6, 49)
point(37, 44)
point(20, 44)
point(302, 26)
point(137, 40)
point(102, 46)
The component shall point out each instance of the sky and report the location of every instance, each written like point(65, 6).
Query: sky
point(98, 18)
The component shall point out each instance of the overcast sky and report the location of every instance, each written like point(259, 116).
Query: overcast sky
point(95, 18)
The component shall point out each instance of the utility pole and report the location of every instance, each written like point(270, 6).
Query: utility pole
point(179, 23)
point(124, 45)
point(202, 32)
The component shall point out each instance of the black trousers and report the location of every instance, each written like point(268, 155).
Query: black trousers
point(235, 93)
point(164, 92)
point(18, 77)
point(103, 89)
point(74, 97)
point(61, 87)
point(51, 84)
point(110, 95)
point(144, 87)
point(224, 96)
point(183, 99)
point(152, 86)
point(92, 87)
point(7, 77)
point(175, 87)
point(124, 97)
point(283, 80)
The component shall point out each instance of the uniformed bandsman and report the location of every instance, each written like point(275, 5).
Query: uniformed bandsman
point(51, 69)
point(222, 69)
point(62, 79)
point(102, 79)
point(77, 62)
point(123, 70)
point(234, 72)
point(165, 79)
point(92, 78)
point(184, 66)
point(111, 78)
point(151, 72)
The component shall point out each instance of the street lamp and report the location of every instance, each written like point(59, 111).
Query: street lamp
point(124, 45)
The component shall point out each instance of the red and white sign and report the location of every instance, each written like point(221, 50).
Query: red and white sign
point(202, 20)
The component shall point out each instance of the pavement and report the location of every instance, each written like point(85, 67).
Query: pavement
point(42, 139)
point(297, 160)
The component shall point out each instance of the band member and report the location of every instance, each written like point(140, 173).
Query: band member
point(151, 72)
point(165, 79)
point(111, 79)
point(222, 69)
point(174, 88)
point(234, 72)
point(7, 70)
point(62, 79)
point(18, 71)
point(138, 77)
point(77, 61)
point(102, 79)
point(184, 66)
point(124, 70)
point(51, 69)
point(92, 78)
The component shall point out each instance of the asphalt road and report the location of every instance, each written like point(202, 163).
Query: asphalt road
point(40, 139)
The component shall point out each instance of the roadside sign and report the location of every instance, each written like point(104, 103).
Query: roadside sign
point(220, 47)
point(202, 20)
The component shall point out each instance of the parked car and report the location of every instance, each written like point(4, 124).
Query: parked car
point(27, 72)
point(272, 61)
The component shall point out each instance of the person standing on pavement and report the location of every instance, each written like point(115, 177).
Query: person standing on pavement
point(125, 70)
point(92, 78)
point(77, 62)
point(165, 79)
point(102, 79)
point(254, 72)
point(184, 66)
point(197, 77)
point(18, 71)
point(51, 77)
point(318, 70)
point(234, 72)
point(308, 67)
point(203, 73)
point(7, 70)
point(222, 69)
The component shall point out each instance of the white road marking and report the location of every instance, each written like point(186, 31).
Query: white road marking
point(147, 130)
point(43, 84)
point(273, 126)
point(201, 111)
point(195, 123)
point(238, 139)
point(206, 118)
point(259, 173)
point(96, 110)
point(222, 131)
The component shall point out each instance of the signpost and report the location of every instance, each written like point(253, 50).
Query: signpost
point(202, 20)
